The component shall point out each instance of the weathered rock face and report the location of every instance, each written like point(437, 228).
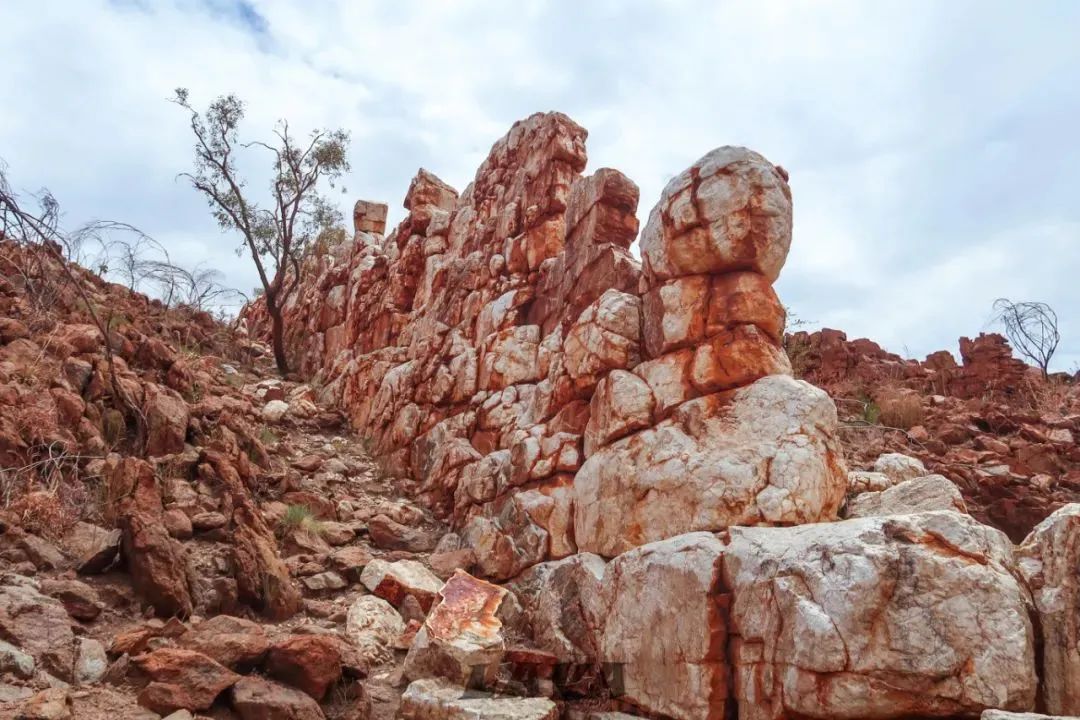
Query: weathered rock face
point(665, 630)
point(499, 339)
point(910, 615)
point(749, 456)
point(986, 364)
point(153, 557)
point(885, 617)
point(1050, 563)
point(922, 494)
point(432, 699)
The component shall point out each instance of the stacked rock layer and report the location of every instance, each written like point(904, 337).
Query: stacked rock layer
point(621, 443)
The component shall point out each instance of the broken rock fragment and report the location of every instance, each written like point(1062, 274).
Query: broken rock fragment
point(392, 581)
point(462, 637)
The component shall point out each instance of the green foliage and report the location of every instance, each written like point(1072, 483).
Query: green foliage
point(297, 213)
point(277, 232)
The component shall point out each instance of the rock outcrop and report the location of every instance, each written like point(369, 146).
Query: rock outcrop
point(550, 393)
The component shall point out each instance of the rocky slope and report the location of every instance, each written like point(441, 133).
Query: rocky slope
point(203, 554)
point(1007, 437)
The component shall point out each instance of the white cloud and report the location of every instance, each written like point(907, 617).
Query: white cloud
point(929, 144)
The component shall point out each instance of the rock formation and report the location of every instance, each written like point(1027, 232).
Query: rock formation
point(552, 394)
point(623, 446)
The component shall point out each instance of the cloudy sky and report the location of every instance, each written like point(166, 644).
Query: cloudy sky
point(932, 146)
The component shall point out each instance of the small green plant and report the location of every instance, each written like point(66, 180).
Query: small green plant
point(871, 413)
point(300, 518)
point(267, 436)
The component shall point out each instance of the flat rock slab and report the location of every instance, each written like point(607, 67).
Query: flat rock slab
point(433, 699)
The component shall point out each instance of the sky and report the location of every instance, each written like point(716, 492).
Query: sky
point(932, 146)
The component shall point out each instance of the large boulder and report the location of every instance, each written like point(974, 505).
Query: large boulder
point(664, 627)
point(562, 606)
point(730, 211)
point(311, 663)
point(36, 626)
point(766, 453)
point(181, 680)
point(884, 617)
point(1050, 563)
point(872, 618)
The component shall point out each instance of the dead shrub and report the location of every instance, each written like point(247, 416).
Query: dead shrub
point(44, 513)
point(900, 409)
point(1052, 396)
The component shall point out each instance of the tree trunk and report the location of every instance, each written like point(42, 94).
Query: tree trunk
point(277, 337)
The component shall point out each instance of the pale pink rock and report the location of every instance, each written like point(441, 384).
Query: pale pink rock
point(621, 404)
point(1048, 559)
point(766, 453)
point(462, 637)
point(884, 617)
point(664, 626)
point(923, 494)
point(730, 211)
point(605, 336)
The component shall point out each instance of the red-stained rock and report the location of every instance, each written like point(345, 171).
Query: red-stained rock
point(262, 578)
point(153, 558)
point(462, 637)
point(254, 698)
point(311, 663)
point(236, 643)
point(731, 211)
point(394, 581)
point(496, 336)
point(385, 533)
point(181, 679)
point(166, 420)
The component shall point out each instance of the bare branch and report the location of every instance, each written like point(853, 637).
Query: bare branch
point(1032, 328)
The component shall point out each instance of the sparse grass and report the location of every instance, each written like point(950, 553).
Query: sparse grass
point(871, 412)
point(1051, 396)
point(299, 518)
point(267, 436)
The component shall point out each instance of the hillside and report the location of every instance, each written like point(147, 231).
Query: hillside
point(522, 474)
